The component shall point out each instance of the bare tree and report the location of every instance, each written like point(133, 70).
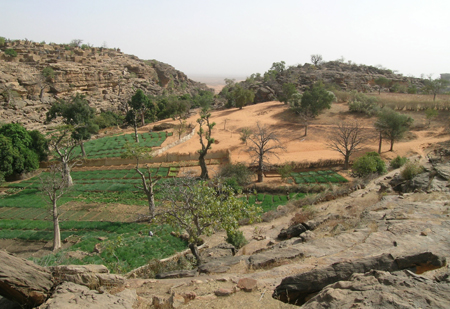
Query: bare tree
point(348, 138)
point(139, 152)
point(316, 59)
point(263, 144)
point(64, 145)
point(53, 186)
point(205, 140)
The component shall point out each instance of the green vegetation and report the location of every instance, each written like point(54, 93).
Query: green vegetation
point(410, 170)
point(327, 176)
point(237, 239)
point(368, 164)
point(361, 103)
point(11, 52)
point(398, 162)
point(392, 126)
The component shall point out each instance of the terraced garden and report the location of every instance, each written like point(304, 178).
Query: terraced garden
point(113, 146)
point(102, 203)
point(311, 177)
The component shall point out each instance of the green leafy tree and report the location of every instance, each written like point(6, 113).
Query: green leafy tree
point(79, 115)
point(201, 208)
point(382, 82)
point(44, 80)
point(11, 52)
point(289, 89)
point(206, 140)
point(39, 144)
point(24, 158)
point(391, 126)
point(311, 103)
point(7, 156)
point(241, 96)
point(435, 86)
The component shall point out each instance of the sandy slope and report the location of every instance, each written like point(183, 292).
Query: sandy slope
point(277, 117)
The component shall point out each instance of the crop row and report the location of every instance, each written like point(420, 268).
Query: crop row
point(113, 146)
point(317, 177)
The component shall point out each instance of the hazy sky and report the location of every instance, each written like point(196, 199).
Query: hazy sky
point(237, 38)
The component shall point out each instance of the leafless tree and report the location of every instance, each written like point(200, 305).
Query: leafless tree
point(148, 181)
point(316, 59)
point(346, 139)
point(53, 187)
point(64, 146)
point(263, 144)
point(205, 140)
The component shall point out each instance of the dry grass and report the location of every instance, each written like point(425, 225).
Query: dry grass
point(413, 102)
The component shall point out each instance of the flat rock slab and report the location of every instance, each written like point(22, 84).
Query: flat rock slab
point(177, 274)
point(221, 265)
point(69, 295)
point(92, 276)
point(270, 257)
point(23, 281)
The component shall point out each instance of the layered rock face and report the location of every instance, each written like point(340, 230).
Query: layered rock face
point(108, 77)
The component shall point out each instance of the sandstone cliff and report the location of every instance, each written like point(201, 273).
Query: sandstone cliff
point(107, 76)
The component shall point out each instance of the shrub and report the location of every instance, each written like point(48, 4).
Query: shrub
point(368, 164)
point(410, 170)
point(285, 171)
point(11, 52)
point(361, 103)
point(239, 172)
point(412, 89)
point(2, 41)
point(398, 162)
point(245, 134)
point(342, 96)
point(237, 239)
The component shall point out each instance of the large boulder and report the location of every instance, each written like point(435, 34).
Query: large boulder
point(299, 288)
point(23, 281)
point(380, 289)
point(92, 276)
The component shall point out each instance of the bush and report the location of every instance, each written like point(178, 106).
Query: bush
point(368, 164)
point(2, 41)
point(361, 103)
point(237, 239)
point(410, 170)
point(342, 96)
point(239, 172)
point(285, 171)
point(398, 162)
point(11, 52)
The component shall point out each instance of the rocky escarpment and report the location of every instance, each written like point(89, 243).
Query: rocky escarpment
point(106, 76)
point(345, 76)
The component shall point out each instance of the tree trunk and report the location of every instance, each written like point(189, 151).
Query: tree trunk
point(306, 129)
point(83, 151)
point(194, 251)
point(56, 230)
point(151, 202)
point(379, 145)
point(202, 162)
point(260, 176)
point(136, 136)
point(346, 159)
point(392, 145)
point(434, 97)
point(142, 118)
point(66, 172)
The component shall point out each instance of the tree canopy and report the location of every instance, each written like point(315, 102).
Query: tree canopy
point(392, 125)
point(17, 154)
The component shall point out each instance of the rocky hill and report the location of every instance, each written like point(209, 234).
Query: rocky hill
point(337, 74)
point(108, 77)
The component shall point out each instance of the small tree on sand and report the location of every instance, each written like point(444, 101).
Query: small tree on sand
point(53, 186)
point(201, 208)
point(348, 138)
point(148, 181)
point(391, 126)
point(205, 140)
point(263, 143)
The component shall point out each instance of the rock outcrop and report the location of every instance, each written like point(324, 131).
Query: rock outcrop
point(23, 281)
point(107, 76)
point(381, 289)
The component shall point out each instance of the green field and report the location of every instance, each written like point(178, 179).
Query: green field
point(113, 146)
point(311, 177)
point(98, 195)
